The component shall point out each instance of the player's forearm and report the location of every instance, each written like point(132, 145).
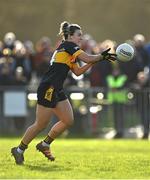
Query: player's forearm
point(93, 58)
point(80, 70)
point(90, 58)
point(84, 68)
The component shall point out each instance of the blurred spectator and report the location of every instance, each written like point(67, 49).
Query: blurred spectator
point(101, 69)
point(22, 60)
point(19, 78)
point(140, 60)
point(88, 43)
point(1, 49)
point(147, 47)
point(117, 96)
point(6, 67)
point(9, 40)
point(142, 56)
point(43, 55)
point(29, 57)
point(142, 94)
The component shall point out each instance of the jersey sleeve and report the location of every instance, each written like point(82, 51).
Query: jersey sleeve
point(73, 50)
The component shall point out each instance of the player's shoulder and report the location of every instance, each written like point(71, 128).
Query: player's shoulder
point(72, 45)
point(68, 42)
point(69, 46)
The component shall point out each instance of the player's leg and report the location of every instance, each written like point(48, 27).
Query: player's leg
point(64, 113)
point(43, 116)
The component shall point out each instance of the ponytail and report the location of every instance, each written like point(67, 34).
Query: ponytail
point(64, 29)
point(68, 29)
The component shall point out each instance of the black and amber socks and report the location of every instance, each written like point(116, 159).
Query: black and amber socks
point(22, 147)
point(47, 141)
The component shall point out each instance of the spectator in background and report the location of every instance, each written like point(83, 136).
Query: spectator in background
point(142, 56)
point(1, 48)
point(95, 73)
point(142, 95)
point(100, 71)
point(22, 60)
point(88, 43)
point(19, 78)
point(42, 56)
point(147, 47)
point(6, 67)
point(29, 57)
point(117, 96)
point(139, 61)
point(9, 40)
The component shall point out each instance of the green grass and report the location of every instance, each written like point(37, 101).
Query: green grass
point(79, 159)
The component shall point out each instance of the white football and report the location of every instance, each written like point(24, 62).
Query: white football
point(125, 52)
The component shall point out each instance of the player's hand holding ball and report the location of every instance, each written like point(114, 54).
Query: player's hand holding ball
point(125, 52)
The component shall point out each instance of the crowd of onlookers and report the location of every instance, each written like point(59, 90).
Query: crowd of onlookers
point(22, 63)
point(19, 61)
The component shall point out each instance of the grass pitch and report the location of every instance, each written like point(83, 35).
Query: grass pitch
point(79, 159)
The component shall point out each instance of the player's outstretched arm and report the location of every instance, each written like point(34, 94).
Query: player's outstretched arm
point(105, 55)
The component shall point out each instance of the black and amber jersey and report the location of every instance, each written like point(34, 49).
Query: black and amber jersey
point(63, 59)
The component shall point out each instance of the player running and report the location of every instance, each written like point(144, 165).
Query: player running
point(50, 93)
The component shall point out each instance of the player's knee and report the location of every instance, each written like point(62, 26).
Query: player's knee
point(70, 122)
point(39, 126)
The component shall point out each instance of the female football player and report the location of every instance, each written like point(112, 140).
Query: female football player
point(50, 93)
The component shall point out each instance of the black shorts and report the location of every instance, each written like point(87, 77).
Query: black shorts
point(48, 96)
